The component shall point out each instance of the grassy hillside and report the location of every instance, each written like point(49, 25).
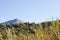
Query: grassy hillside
point(31, 31)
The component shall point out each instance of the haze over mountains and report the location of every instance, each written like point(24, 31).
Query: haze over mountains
point(13, 21)
point(17, 21)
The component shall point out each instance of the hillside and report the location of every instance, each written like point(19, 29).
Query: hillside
point(49, 30)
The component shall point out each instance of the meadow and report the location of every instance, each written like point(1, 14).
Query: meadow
point(49, 30)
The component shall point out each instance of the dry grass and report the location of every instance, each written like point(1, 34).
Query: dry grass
point(48, 33)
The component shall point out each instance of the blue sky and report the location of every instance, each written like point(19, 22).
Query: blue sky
point(29, 10)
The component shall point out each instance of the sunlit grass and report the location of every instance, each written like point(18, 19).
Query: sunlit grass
point(31, 32)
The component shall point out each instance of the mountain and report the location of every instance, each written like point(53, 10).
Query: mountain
point(13, 21)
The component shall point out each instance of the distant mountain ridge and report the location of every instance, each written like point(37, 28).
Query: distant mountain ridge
point(17, 21)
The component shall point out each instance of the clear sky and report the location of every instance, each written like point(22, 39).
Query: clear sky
point(29, 10)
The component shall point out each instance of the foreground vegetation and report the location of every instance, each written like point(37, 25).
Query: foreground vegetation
point(31, 31)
